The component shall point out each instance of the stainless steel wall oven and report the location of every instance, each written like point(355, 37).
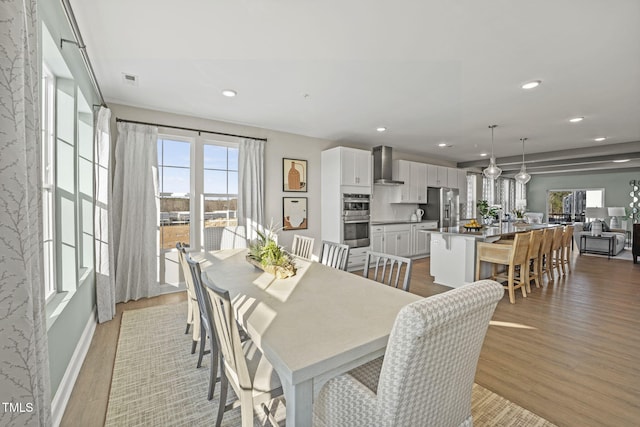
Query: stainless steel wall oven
point(355, 220)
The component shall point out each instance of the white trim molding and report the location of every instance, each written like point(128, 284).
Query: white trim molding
point(61, 398)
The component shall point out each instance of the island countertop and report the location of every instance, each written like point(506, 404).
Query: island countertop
point(492, 231)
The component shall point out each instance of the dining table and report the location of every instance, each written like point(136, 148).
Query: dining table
point(313, 326)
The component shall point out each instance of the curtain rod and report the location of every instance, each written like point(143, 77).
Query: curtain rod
point(189, 129)
point(81, 46)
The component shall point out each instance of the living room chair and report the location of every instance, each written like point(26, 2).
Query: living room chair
point(207, 330)
point(387, 269)
point(427, 373)
point(250, 374)
point(193, 310)
point(511, 256)
point(302, 246)
point(334, 255)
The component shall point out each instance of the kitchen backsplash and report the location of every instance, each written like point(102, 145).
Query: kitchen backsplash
point(383, 210)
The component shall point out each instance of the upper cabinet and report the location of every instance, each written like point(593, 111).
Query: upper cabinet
point(355, 166)
point(414, 175)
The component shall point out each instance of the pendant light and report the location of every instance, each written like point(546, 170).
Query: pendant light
point(523, 177)
point(492, 171)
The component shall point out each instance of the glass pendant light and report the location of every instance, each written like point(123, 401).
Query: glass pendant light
point(492, 171)
point(523, 177)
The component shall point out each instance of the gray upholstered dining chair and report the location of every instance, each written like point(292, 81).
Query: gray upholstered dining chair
point(426, 376)
point(334, 255)
point(193, 311)
point(302, 246)
point(207, 330)
point(387, 269)
point(250, 374)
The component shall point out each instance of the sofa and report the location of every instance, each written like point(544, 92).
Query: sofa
point(599, 245)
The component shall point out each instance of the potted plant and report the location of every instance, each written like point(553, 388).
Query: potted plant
point(264, 253)
point(487, 212)
point(519, 214)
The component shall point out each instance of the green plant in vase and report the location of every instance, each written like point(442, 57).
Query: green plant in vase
point(486, 211)
point(265, 253)
point(519, 214)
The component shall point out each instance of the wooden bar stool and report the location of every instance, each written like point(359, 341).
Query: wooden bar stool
point(565, 250)
point(543, 255)
point(534, 259)
point(511, 256)
point(555, 257)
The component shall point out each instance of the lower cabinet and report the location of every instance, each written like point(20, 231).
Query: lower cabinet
point(421, 241)
point(356, 258)
point(397, 242)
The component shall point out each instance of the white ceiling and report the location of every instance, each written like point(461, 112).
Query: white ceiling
point(430, 71)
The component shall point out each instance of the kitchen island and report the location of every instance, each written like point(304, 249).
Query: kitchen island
point(453, 250)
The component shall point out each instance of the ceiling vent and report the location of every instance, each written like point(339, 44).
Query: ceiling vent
point(130, 79)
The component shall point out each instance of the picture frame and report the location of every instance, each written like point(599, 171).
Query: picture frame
point(294, 175)
point(294, 213)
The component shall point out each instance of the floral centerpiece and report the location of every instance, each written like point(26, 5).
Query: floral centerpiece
point(264, 253)
point(519, 214)
point(487, 212)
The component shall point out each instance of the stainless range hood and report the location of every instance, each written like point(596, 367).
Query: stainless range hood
point(382, 166)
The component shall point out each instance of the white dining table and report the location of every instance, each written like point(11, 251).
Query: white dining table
point(313, 326)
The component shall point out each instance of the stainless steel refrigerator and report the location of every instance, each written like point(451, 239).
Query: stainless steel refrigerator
point(443, 205)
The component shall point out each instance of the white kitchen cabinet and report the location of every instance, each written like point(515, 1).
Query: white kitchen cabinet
point(462, 186)
point(452, 178)
point(438, 176)
point(355, 167)
point(421, 241)
point(397, 239)
point(414, 175)
point(377, 238)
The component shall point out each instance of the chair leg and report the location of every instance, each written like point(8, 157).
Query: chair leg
point(203, 339)
point(194, 344)
point(512, 296)
point(246, 410)
point(187, 331)
point(213, 371)
point(524, 280)
point(224, 385)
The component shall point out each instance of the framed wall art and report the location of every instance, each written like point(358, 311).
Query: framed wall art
point(294, 213)
point(294, 175)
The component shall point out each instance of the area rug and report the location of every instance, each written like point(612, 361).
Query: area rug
point(155, 381)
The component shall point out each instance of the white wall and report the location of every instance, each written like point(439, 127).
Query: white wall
point(279, 145)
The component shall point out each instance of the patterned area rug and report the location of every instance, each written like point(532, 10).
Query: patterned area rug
point(156, 383)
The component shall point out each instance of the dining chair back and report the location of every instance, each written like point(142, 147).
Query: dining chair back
point(255, 382)
point(229, 237)
point(388, 269)
point(426, 375)
point(193, 310)
point(302, 246)
point(334, 255)
point(207, 330)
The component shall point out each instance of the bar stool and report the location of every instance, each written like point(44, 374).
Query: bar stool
point(555, 256)
point(511, 256)
point(565, 250)
point(533, 259)
point(543, 255)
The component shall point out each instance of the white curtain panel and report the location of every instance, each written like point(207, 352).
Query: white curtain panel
point(24, 363)
point(251, 186)
point(135, 208)
point(105, 273)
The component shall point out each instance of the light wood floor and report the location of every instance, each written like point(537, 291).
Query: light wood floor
point(570, 352)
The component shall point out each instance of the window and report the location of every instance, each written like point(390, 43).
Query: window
point(569, 205)
point(505, 192)
point(67, 177)
point(220, 185)
point(48, 183)
point(174, 186)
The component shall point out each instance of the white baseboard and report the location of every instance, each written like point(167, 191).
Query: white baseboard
point(61, 398)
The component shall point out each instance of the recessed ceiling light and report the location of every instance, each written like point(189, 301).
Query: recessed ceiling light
point(381, 129)
point(600, 138)
point(621, 161)
point(483, 154)
point(442, 144)
point(532, 84)
point(230, 93)
point(576, 119)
